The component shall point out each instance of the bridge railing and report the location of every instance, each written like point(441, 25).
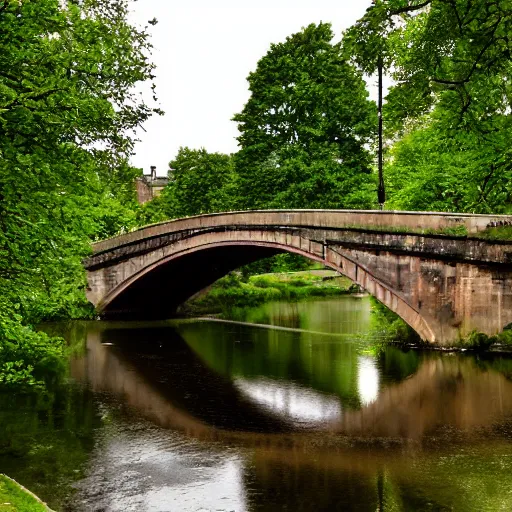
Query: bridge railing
point(387, 221)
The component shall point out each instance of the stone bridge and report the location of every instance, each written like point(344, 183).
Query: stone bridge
point(443, 284)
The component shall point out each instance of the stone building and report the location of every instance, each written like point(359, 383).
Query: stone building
point(150, 186)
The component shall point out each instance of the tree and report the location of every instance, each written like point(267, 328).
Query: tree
point(306, 127)
point(451, 101)
point(437, 169)
point(67, 113)
point(200, 182)
point(438, 48)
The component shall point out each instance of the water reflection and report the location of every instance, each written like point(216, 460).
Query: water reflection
point(298, 482)
point(325, 364)
point(446, 392)
point(159, 375)
point(222, 381)
point(346, 315)
point(368, 380)
point(137, 467)
point(296, 403)
point(457, 479)
point(46, 440)
point(212, 416)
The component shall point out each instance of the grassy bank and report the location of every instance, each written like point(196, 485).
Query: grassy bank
point(234, 291)
point(15, 498)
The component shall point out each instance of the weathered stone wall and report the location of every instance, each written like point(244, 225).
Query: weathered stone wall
point(443, 287)
point(452, 298)
point(387, 221)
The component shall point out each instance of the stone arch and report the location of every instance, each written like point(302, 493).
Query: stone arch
point(129, 272)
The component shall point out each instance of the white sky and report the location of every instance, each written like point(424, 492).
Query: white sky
point(203, 56)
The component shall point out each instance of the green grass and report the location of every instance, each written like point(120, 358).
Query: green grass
point(13, 498)
point(503, 233)
point(458, 231)
point(498, 233)
point(453, 231)
point(233, 292)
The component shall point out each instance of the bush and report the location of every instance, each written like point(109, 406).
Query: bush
point(28, 359)
point(505, 337)
point(478, 341)
point(230, 292)
point(390, 326)
point(232, 280)
point(286, 262)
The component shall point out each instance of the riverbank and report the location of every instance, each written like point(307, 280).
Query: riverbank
point(15, 498)
point(233, 291)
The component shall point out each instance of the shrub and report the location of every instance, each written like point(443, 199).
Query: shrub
point(478, 341)
point(28, 359)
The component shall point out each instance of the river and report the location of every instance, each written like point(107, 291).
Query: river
point(309, 414)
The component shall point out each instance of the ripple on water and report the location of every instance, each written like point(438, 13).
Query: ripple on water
point(136, 466)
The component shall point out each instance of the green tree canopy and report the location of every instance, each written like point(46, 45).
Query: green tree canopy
point(199, 182)
point(438, 50)
point(447, 117)
point(306, 127)
point(67, 115)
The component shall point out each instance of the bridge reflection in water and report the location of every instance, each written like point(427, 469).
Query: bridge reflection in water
point(162, 376)
point(257, 424)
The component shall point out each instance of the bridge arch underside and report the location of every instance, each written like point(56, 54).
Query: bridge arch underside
point(158, 290)
point(154, 285)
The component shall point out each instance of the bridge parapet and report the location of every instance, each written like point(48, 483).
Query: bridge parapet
point(432, 245)
point(387, 221)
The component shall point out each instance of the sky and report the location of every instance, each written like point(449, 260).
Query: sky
point(204, 52)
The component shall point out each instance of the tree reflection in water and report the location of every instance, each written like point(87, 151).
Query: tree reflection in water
point(218, 416)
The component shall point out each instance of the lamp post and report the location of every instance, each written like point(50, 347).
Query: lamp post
point(381, 193)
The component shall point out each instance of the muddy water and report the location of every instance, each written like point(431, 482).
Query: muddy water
point(314, 415)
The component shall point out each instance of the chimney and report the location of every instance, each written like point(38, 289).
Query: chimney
point(153, 172)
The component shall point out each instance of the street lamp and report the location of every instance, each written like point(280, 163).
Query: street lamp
point(381, 193)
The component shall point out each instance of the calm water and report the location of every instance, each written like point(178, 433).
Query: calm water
point(311, 416)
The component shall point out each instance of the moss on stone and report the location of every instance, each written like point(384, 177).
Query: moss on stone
point(498, 233)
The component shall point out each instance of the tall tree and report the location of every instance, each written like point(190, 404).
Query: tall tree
point(452, 99)
point(199, 182)
point(306, 127)
point(67, 113)
point(438, 49)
